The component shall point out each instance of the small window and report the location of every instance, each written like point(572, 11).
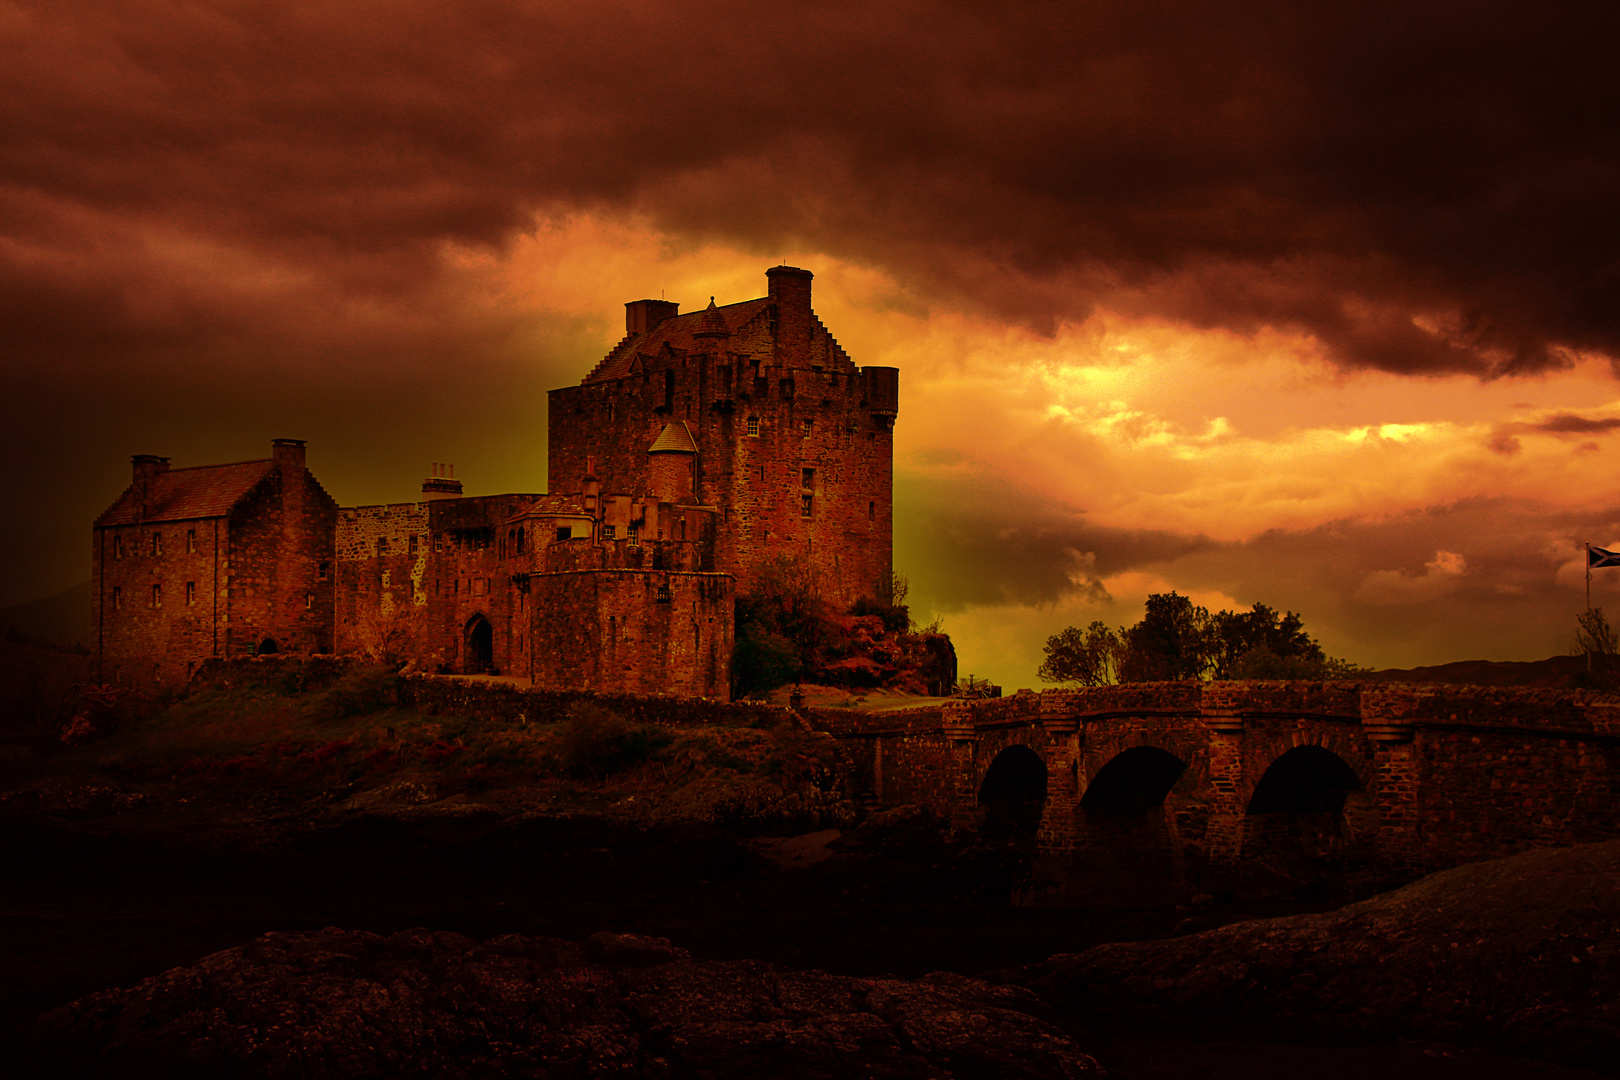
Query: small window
point(807, 505)
point(118, 545)
point(191, 541)
point(118, 598)
point(413, 543)
point(871, 511)
point(438, 542)
point(807, 478)
point(610, 532)
point(157, 596)
point(634, 537)
point(564, 532)
point(323, 571)
point(786, 386)
point(157, 543)
point(382, 545)
point(480, 586)
point(191, 593)
point(753, 425)
point(309, 601)
point(809, 426)
point(612, 412)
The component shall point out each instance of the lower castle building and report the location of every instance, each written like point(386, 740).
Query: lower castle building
point(701, 447)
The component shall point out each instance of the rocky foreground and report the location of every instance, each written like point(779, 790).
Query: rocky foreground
point(1519, 954)
point(352, 1004)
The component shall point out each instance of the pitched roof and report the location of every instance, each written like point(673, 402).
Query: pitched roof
point(676, 438)
point(203, 491)
point(677, 332)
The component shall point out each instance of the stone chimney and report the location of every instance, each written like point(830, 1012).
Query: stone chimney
point(641, 316)
point(147, 467)
point(442, 484)
point(288, 455)
point(790, 291)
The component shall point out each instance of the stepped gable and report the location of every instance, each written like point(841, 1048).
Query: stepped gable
point(201, 491)
point(679, 332)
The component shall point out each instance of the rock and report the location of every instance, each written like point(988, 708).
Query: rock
point(416, 1004)
point(1520, 954)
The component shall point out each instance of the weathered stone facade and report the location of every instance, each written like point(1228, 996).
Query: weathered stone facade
point(702, 445)
point(792, 443)
point(214, 561)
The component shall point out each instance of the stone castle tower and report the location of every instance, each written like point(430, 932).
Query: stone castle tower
point(751, 409)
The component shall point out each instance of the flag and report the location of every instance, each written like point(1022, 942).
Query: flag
point(1596, 557)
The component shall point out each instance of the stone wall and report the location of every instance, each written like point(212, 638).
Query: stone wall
point(516, 704)
point(633, 630)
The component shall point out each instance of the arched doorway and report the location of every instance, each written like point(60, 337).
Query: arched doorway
point(1295, 837)
point(267, 647)
point(480, 646)
point(1127, 844)
point(1013, 794)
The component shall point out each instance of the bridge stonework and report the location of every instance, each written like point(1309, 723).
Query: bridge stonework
point(1174, 788)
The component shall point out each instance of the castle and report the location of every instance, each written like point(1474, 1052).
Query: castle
point(701, 447)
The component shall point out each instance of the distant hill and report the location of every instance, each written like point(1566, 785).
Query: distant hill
point(1560, 672)
point(63, 619)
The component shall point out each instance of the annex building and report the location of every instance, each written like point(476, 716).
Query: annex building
point(700, 447)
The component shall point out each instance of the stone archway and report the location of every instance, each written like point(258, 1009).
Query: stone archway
point(1012, 795)
point(1128, 848)
point(1296, 840)
point(479, 646)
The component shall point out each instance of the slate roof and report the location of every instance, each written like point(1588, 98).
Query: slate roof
point(202, 491)
point(676, 332)
point(676, 438)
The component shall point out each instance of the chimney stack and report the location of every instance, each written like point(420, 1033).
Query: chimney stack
point(442, 484)
point(790, 290)
point(641, 316)
point(288, 454)
point(147, 467)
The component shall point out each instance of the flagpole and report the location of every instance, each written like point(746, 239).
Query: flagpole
point(1588, 548)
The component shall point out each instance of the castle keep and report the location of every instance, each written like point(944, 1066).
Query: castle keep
point(701, 446)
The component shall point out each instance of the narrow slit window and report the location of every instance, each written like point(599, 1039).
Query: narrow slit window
point(157, 596)
point(191, 541)
point(191, 593)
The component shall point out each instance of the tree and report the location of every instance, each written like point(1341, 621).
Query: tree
point(1176, 639)
point(1089, 657)
point(1596, 639)
point(1172, 641)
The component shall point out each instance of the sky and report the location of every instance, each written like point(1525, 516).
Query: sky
point(1259, 303)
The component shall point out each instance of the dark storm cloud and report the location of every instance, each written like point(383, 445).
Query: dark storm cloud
point(965, 534)
point(1569, 423)
point(1425, 187)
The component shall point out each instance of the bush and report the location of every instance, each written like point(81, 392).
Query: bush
point(596, 742)
point(359, 693)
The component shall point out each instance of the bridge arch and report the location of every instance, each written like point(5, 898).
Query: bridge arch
point(1306, 779)
point(1012, 796)
point(1134, 780)
point(1308, 822)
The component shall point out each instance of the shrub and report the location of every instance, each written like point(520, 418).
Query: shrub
point(359, 693)
point(596, 742)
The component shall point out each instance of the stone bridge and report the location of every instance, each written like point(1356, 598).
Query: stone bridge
point(1166, 789)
